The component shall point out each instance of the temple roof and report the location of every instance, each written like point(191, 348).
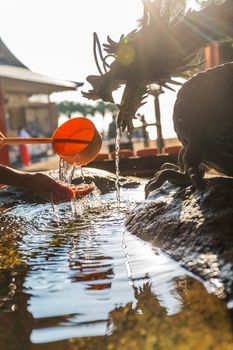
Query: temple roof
point(15, 77)
point(22, 80)
point(7, 57)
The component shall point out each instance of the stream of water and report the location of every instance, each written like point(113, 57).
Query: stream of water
point(117, 162)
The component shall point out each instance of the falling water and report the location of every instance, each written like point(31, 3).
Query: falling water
point(66, 171)
point(82, 174)
point(117, 149)
point(78, 206)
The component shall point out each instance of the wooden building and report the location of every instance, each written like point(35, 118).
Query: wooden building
point(18, 108)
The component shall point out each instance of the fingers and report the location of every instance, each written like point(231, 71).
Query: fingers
point(66, 193)
point(196, 176)
point(82, 190)
point(46, 187)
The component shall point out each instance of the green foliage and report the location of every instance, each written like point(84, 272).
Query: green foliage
point(68, 107)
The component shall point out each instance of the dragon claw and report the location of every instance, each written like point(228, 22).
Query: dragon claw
point(90, 95)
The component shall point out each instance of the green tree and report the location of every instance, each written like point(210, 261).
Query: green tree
point(68, 107)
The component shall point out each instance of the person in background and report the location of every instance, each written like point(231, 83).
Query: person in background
point(112, 131)
point(42, 184)
point(23, 149)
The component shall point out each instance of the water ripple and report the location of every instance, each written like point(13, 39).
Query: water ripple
point(82, 267)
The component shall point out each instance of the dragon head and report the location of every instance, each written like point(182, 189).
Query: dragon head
point(155, 53)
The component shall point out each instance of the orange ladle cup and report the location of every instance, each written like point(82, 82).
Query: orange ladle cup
point(77, 141)
point(82, 152)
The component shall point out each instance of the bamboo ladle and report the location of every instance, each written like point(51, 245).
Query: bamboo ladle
point(77, 141)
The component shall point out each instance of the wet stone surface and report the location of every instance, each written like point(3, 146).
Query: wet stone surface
point(193, 227)
point(106, 181)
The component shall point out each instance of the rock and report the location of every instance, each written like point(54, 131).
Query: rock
point(194, 227)
point(104, 180)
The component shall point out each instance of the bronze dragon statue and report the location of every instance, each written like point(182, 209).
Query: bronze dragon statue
point(203, 121)
point(164, 48)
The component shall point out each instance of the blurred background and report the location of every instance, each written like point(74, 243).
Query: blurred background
point(46, 53)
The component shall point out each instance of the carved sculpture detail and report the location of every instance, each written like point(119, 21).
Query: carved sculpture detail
point(160, 50)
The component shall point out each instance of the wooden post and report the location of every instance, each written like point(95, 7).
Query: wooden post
point(212, 56)
point(159, 141)
point(4, 153)
point(155, 90)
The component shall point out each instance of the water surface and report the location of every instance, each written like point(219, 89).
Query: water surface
point(84, 282)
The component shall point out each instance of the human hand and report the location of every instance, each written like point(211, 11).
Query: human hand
point(51, 190)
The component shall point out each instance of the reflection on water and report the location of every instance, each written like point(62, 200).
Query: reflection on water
point(86, 283)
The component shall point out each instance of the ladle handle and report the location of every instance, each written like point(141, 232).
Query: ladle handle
point(31, 140)
point(40, 140)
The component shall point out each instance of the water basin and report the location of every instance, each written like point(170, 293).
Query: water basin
point(85, 282)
